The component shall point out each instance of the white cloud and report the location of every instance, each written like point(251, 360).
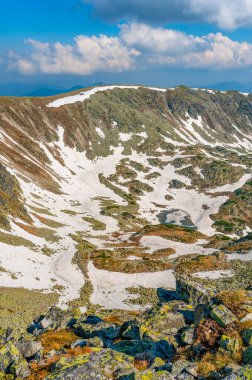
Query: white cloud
point(169, 47)
point(86, 56)
point(137, 46)
point(227, 14)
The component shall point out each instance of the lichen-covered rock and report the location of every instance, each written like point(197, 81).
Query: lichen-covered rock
point(5, 336)
point(103, 330)
point(247, 355)
point(193, 292)
point(247, 336)
point(222, 315)
point(20, 369)
point(133, 347)
point(179, 366)
point(187, 335)
point(154, 375)
point(230, 344)
point(160, 322)
point(28, 347)
point(8, 354)
point(129, 330)
point(92, 342)
point(246, 318)
point(99, 365)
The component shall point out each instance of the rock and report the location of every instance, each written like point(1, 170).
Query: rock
point(193, 292)
point(192, 369)
point(247, 355)
point(124, 375)
point(133, 347)
point(20, 369)
point(201, 312)
point(222, 315)
point(187, 336)
point(176, 184)
point(231, 368)
point(92, 342)
point(153, 375)
point(8, 354)
point(99, 365)
point(161, 322)
point(247, 318)
point(28, 347)
point(103, 330)
point(5, 336)
point(185, 376)
point(245, 373)
point(247, 336)
point(129, 330)
point(230, 344)
point(179, 366)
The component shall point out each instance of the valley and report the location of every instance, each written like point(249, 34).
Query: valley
point(107, 193)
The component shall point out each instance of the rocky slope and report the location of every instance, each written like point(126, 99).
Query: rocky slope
point(196, 332)
point(106, 194)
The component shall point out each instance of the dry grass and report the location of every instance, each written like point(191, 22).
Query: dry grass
point(234, 300)
point(141, 365)
point(213, 362)
point(41, 370)
point(201, 263)
point(112, 319)
point(56, 340)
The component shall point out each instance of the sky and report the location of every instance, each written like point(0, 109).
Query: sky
point(154, 42)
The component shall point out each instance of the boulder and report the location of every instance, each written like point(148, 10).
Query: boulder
point(247, 336)
point(230, 344)
point(187, 335)
point(246, 318)
point(222, 315)
point(8, 354)
point(160, 322)
point(179, 366)
point(29, 347)
point(102, 364)
point(103, 330)
point(5, 336)
point(193, 292)
point(20, 369)
point(129, 330)
point(92, 342)
point(247, 355)
point(154, 375)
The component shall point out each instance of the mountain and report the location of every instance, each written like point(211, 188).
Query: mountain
point(108, 193)
point(231, 86)
point(37, 90)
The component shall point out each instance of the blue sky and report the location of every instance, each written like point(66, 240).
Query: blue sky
point(162, 42)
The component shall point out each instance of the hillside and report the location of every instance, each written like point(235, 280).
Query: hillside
point(120, 179)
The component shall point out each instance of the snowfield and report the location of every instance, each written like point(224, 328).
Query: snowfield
point(80, 203)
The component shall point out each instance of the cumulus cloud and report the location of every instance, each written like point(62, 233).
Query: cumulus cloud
point(137, 46)
point(167, 47)
point(86, 56)
point(227, 14)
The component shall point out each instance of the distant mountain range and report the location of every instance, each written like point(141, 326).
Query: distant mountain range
point(227, 86)
point(40, 90)
point(37, 90)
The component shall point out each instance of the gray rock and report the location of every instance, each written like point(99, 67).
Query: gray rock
point(179, 366)
point(247, 355)
point(29, 348)
point(193, 292)
point(20, 369)
point(222, 315)
point(8, 354)
point(187, 336)
point(99, 365)
point(247, 336)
